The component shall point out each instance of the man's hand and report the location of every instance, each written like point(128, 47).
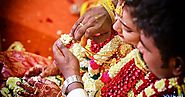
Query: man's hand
point(95, 24)
point(67, 63)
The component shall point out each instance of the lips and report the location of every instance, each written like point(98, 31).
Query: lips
point(121, 35)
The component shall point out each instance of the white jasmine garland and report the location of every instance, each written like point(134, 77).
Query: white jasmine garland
point(84, 63)
point(139, 83)
point(131, 94)
point(160, 85)
point(149, 91)
point(172, 82)
point(108, 50)
point(78, 51)
point(91, 85)
point(65, 38)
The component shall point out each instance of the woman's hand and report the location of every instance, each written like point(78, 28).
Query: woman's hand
point(40, 88)
point(67, 63)
point(96, 21)
point(43, 71)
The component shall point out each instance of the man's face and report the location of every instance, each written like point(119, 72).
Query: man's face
point(152, 57)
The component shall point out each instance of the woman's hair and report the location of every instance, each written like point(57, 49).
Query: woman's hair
point(164, 21)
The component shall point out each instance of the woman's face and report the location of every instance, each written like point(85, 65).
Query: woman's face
point(125, 27)
point(152, 57)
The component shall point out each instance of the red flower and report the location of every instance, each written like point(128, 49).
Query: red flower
point(105, 77)
point(94, 65)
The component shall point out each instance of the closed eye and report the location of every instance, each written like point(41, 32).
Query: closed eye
point(128, 29)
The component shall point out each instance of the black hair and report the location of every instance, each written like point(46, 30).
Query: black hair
point(163, 20)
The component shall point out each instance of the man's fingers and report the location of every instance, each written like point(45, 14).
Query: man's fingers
point(77, 34)
point(101, 37)
point(94, 34)
point(62, 48)
point(80, 31)
point(56, 51)
point(75, 26)
point(92, 31)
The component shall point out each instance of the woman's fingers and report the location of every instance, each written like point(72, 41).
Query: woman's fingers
point(34, 71)
point(25, 94)
point(28, 89)
point(39, 87)
point(50, 70)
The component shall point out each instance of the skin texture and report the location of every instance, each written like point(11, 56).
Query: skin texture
point(126, 28)
point(150, 55)
point(67, 63)
point(94, 21)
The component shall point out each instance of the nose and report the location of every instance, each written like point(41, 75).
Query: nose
point(139, 47)
point(117, 26)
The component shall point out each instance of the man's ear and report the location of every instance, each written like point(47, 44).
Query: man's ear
point(177, 65)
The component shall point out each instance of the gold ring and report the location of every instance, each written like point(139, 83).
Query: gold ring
point(97, 17)
point(81, 24)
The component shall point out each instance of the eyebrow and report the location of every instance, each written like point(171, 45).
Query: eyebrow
point(144, 45)
point(124, 24)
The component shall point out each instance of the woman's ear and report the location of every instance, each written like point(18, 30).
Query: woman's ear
point(177, 65)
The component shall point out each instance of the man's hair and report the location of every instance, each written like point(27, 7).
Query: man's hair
point(164, 21)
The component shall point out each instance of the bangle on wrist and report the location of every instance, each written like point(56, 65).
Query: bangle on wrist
point(70, 80)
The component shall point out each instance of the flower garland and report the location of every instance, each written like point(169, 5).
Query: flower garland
point(97, 58)
point(124, 75)
point(133, 82)
point(101, 61)
point(124, 81)
point(170, 87)
point(133, 54)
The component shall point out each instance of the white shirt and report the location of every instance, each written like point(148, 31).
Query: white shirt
point(78, 92)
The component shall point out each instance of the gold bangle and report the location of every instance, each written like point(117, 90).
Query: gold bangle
point(109, 6)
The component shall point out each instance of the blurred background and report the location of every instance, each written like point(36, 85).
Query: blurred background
point(36, 24)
